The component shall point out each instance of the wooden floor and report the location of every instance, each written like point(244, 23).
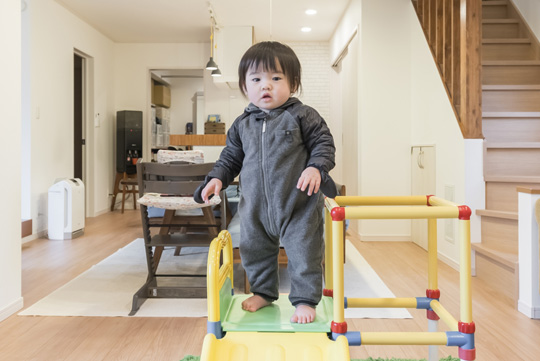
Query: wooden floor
point(502, 332)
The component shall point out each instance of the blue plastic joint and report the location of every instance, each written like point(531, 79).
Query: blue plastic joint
point(346, 303)
point(424, 303)
point(215, 329)
point(353, 337)
point(463, 340)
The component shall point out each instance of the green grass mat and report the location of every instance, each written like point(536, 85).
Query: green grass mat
point(449, 358)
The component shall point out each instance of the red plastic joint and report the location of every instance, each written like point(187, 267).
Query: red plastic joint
point(464, 213)
point(467, 354)
point(338, 213)
point(339, 327)
point(327, 292)
point(465, 327)
point(435, 294)
point(428, 197)
point(431, 315)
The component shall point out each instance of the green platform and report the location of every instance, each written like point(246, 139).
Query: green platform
point(275, 318)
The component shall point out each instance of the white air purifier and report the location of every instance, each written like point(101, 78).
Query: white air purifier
point(66, 209)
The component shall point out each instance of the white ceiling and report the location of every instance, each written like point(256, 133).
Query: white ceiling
point(188, 21)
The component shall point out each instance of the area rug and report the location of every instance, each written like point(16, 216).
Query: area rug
point(107, 288)
point(449, 358)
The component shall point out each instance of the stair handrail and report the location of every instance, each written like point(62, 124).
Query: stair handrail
point(453, 30)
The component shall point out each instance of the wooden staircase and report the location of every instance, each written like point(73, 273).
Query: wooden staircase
point(508, 99)
point(511, 128)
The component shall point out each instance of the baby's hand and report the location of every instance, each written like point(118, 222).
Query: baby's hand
point(212, 188)
point(310, 179)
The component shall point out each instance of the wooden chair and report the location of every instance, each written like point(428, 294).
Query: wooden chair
point(128, 185)
point(171, 186)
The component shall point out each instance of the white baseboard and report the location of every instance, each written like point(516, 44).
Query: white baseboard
point(11, 309)
point(385, 238)
point(527, 310)
point(448, 261)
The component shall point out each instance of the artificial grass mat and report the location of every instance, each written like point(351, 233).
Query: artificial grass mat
point(449, 358)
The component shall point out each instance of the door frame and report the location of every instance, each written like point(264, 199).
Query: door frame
point(88, 129)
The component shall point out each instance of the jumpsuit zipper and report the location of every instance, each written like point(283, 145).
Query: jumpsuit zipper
point(265, 184)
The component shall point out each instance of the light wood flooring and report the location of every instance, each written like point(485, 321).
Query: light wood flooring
point(502, 332)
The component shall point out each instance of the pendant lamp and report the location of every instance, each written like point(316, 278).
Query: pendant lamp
point(211, 65)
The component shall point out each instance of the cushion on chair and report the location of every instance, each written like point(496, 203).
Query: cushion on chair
point(191, 156)
point(158, 201)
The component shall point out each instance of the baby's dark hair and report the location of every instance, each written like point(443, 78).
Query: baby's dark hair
point(270, 54)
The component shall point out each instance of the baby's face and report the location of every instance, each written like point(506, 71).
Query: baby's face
point(266, 89)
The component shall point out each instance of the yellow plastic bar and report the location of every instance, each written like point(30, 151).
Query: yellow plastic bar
point(409, 302)
point(432, 255)
point(404, 338)
point(328, 279)
point(436, 201)
point(338, 283)
point(215, 277)
point(402, 212)
point(465, 271)
point(447, 318)
point(381, 201)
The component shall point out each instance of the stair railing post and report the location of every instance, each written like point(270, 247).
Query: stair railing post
point(471, 69)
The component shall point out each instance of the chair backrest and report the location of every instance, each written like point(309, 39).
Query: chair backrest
point(171, 178)
point(190, 156)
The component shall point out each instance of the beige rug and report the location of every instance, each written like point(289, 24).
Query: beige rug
point(107, 288)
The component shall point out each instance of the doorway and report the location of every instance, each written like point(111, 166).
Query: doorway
point(83, 128)
point(78, 117)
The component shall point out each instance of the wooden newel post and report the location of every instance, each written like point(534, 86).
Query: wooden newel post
point(471, 69)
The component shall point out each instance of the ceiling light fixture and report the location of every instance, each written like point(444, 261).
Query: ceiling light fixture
point(211, 65)
point(306, 29)
point(311, 11)
point(216, 72)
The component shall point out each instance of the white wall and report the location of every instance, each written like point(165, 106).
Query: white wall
point(10, 146)
point(182, 92)
point(383, 130)
point(401, 103)
point(530, 10)
point(433, 122)
point(55, 34)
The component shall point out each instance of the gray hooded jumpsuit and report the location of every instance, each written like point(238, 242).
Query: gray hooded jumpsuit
point(270, 151)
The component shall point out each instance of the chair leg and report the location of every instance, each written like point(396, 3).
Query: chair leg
point(123, 197)
point(134, 193)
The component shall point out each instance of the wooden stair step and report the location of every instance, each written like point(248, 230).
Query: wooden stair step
point(497, 214)
point(508, 260)
point(494, 9)
point(501, 28)
point(508, 51)
point(503, 196)
point(500, 21)
point(511, 87)
point(508, 97)
point(507, 41)
point(512, 145)
point(507, 162)
point(510, 114)
point(510, 72)
point(512, 179)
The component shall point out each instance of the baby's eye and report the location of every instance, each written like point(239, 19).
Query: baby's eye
point(276, 78)
point(255, 80)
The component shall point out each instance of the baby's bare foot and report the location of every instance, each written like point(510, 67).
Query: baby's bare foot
point(303, 314)
point(254, 303)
